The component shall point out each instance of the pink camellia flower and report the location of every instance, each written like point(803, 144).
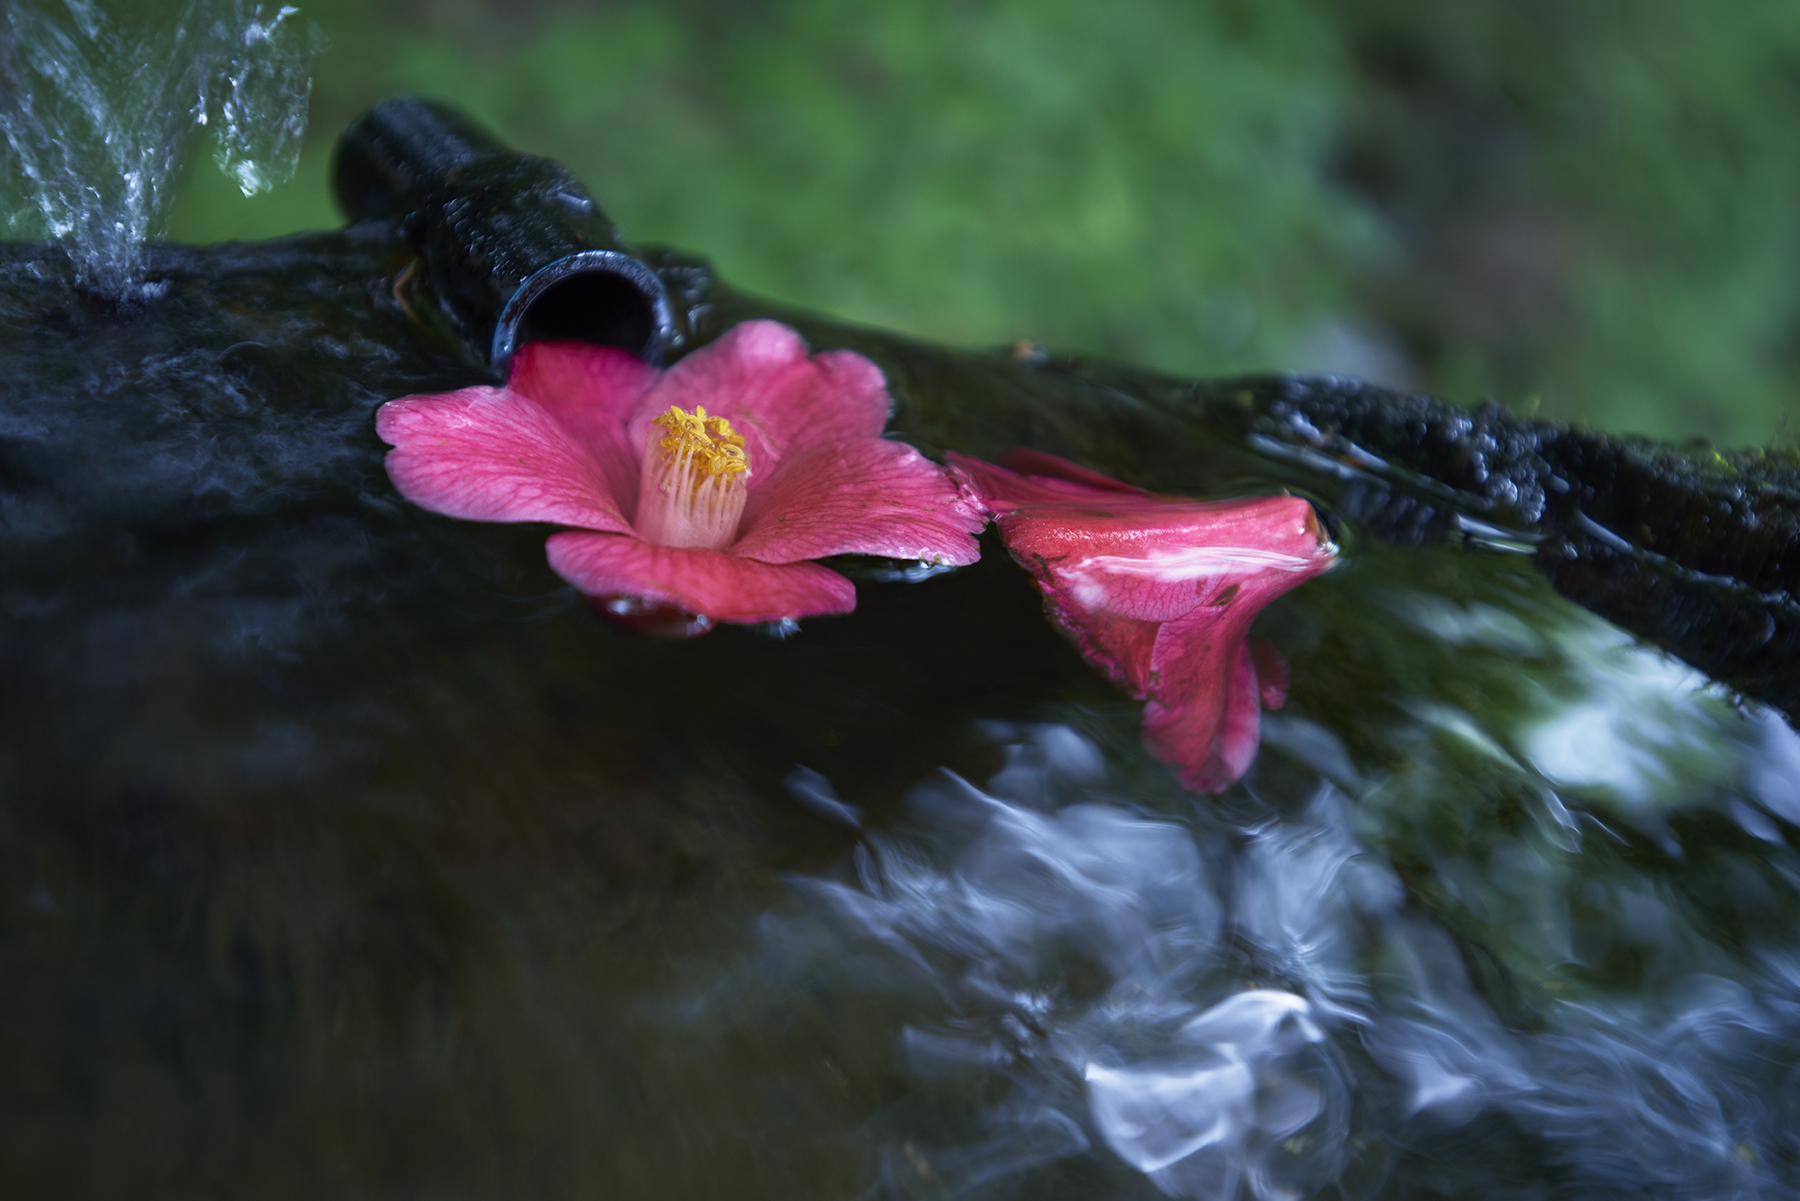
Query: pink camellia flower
point(704, 489)
point(1159, 592)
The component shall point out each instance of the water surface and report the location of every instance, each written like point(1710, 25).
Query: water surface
point(346, 851)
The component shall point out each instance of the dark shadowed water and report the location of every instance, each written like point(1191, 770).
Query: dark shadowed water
point(345, 852)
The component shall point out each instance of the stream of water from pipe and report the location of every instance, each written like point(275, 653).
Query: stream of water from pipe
point(99, 100)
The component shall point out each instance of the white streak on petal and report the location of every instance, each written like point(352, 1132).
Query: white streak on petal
point(1088, 578)
point(1197, 562)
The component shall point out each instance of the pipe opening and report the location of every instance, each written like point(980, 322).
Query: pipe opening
point(594, 306)
point(598, 296)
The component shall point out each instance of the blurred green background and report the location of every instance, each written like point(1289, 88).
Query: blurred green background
point(1582, 208)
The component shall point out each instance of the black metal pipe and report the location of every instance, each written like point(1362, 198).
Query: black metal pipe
point(511, 248)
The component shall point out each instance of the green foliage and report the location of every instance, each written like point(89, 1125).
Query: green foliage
point(1579, 203)
point(1595, 204)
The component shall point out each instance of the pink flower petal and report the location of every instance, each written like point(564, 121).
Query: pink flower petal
point(1212, 738)
point(491, 454)
point(1271, 673)
point(1147, 556)
point(1028, 462)
point(1006, 490)
point(594, 391)
point(758, 375)
point(1120, 647)
point(712, 583)
point(1159, 593)
point(566, 442)
point(860, 496)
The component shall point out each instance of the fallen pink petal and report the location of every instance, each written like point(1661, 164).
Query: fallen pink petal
point(704, 490)
point(1158, 592)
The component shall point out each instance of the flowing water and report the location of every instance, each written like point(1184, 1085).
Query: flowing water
point(98, 100)
point(344, 851)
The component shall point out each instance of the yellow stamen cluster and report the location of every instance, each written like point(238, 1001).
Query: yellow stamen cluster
point(694, 482)
point(709, 442)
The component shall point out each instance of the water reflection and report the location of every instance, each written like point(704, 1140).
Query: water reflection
point(1506, 949)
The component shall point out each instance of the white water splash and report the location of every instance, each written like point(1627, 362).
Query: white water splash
point(98, 99)
point(1251, 1010)
point(1080, 949)
point(1237, 1081)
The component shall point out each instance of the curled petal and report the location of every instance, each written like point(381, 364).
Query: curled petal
point(1212, 734)
point(1162, 582)
point(492, 454)
point(1271, 673)
point(1033, 478)
point(1120, 647)
point(1046, 466)
point(711, 583)
point(1158, 592)
point(863, 496)
point(1141, 555)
